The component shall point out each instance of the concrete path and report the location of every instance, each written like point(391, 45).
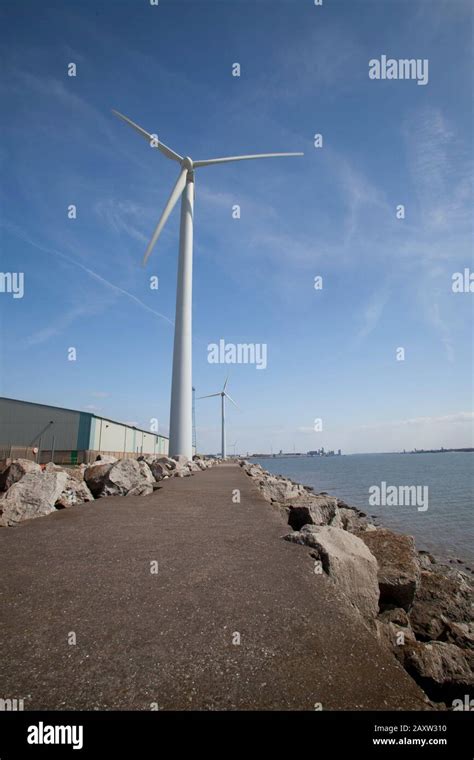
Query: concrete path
point(167, 638)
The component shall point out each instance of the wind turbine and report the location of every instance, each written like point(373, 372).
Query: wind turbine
point(181, 384)
point(223, 394)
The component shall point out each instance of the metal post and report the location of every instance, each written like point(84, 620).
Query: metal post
point(223, 426)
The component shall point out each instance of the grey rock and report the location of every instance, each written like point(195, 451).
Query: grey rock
point(399, 572)
point(158, 470)
point(425, 560)
point(314, 510)
point(95, 477)
point(280, 490)
point(169, 463)
point(15, 471)
point(352, 521)
point(443, 670)
point(74, 492)
point(35, 495)
point(461, 634)
point(348, 561)
point(128, 477)
point(440, 598)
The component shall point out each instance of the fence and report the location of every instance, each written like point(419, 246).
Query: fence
point(61, 457)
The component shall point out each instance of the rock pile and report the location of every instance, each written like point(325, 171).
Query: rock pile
point(421, 609)
point(29, 490)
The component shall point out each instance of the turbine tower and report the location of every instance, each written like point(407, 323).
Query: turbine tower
point(223, 394)
point(181, 434)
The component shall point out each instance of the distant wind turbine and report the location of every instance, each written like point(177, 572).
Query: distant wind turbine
point(223, 394)
point(181, 385)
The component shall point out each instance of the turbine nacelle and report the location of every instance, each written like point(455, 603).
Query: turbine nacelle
point(186, 174)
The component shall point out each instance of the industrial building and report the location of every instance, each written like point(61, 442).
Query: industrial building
point(50, 433)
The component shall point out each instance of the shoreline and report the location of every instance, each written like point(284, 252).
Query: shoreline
point(441, 556)
point(423, 608)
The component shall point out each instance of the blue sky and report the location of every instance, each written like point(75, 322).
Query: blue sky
point(304, 70)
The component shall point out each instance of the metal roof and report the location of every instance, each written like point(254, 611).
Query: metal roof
point(82, 411)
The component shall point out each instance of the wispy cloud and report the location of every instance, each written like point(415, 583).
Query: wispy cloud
point(372, 313)
point(440, 167)
point(109, 285)
point(457, 417)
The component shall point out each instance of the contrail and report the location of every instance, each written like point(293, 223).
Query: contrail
point(19, 234)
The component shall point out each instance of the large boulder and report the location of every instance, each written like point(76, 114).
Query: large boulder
point(35, 495)
point(352, 520)
point(127, 477)
point(461, 634)
point(15, 471)
point(439, 599)
point(253, 470)
point(168, 462)
point(75, 490)
point(444, 671)
point(77, 472)
point(106, 459)
point(394, 630)
point(158, 470)
point(314, 510)
point(399, 571)
point(280, 490)
point(95, 477)
point(348, 561)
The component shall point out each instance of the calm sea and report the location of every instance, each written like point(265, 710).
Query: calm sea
point(446, 528)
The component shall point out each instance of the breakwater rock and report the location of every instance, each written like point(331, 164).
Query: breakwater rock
point(420, 609)
point(28, 490)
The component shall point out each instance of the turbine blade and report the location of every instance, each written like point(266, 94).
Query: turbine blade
point(161, 146)
point(172, 201)
point(209, 396)
point(226, 160)
point(231, 399)
point(225, 384)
